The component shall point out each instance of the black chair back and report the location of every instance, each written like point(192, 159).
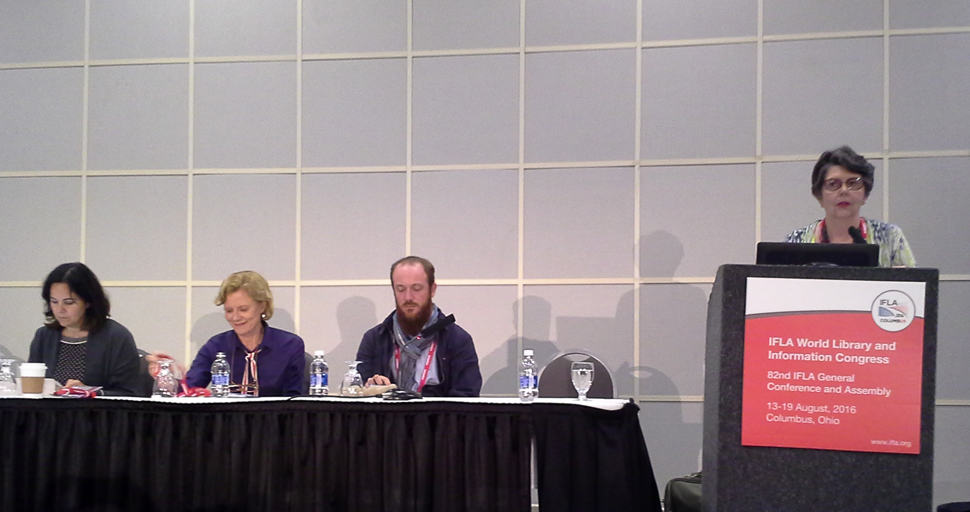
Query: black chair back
point(555, 380)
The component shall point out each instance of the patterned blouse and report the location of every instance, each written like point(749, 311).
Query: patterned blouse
point(894, 250)
point(72, 357)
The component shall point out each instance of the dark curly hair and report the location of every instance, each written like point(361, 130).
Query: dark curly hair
point(844, 157)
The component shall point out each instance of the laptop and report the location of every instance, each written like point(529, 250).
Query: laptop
point(842, 255)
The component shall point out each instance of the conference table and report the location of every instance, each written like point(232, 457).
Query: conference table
point(327, 453)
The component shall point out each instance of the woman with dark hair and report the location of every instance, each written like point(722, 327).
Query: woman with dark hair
point(841, 182)
point(80, 345)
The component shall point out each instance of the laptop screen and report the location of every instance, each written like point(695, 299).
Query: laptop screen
point(843, 255)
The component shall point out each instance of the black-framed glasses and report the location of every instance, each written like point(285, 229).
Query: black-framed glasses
point(834, 184)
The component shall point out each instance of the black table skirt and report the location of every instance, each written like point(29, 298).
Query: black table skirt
point(353, 456)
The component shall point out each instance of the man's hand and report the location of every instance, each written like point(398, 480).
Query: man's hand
point(379, 380)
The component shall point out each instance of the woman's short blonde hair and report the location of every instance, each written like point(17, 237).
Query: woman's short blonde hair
point(253, 284)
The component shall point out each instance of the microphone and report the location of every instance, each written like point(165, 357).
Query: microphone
point(856, 235)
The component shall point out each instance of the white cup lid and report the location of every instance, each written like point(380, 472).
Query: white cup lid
point(33, 369)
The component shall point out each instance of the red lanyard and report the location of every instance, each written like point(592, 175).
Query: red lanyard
point(862, 228)
point(427, 364)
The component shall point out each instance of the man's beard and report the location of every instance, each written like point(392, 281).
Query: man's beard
point(412, 324)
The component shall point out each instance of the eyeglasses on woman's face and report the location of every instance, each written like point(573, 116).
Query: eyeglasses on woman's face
point(835, 184)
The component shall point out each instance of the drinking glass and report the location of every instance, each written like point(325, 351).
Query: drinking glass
point(166, 385)
point(352, 385)
point(582, 375)
point(7, 384)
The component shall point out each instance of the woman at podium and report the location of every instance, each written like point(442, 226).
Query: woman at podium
point(841, 182)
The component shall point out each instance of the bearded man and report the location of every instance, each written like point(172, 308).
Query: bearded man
point(417, 347)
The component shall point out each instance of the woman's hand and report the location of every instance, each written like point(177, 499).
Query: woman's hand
point(153, 362)
point(379, 380)
point(72, 383)
point(155, 357)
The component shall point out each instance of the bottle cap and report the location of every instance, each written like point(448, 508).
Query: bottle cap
point(319, 353)
point(528, 352)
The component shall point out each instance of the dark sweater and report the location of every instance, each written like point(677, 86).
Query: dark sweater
point(112, 359)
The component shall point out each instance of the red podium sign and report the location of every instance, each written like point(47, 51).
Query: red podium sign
point(833, 365)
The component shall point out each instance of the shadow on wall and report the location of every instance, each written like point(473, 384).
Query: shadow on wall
point(673, 336)
point(673, 322)
point(355, 315)
point(666, 313)
point(505, 381)
point(673, 333)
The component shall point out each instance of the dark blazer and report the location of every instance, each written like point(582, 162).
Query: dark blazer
point(112, 359)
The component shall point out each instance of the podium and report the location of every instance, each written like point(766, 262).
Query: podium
point(820, 389)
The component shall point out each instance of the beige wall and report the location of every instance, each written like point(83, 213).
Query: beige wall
point(577, 170)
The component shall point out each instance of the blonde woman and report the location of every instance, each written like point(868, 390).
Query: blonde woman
point(257, 353)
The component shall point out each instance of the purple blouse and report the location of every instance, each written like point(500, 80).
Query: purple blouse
point(280, 362)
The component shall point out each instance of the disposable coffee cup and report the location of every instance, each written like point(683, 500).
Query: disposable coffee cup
point(32, 378)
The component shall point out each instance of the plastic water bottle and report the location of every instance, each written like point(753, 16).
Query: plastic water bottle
point(528, 377)
point(220, 375)
point(319, 375)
